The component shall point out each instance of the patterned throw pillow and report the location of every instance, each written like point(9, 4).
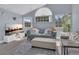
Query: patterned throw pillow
point(73, 36)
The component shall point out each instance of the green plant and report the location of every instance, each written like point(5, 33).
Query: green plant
point(66, 22)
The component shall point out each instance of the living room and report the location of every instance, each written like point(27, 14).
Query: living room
point(39, 29)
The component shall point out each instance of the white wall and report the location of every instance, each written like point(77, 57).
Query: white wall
point(56, 9)
point(6, 17)
point(75, 18)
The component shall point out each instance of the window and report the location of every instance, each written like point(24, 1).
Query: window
point(27, 24)
point(64, 21)
point(42, 19)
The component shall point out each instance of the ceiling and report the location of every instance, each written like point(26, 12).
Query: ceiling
point(20, 9)
point(23, 9)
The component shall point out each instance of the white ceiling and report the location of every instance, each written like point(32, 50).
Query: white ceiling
point(20, 8)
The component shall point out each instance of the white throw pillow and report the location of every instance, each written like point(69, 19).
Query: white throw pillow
point(35, 31)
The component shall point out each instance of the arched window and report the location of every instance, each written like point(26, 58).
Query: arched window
point(43, 15)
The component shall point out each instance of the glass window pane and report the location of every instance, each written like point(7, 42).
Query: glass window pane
point(42, 19)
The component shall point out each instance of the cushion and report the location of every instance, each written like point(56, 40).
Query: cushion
point(41, 31)
point(73, 36)
point(64, 37)
point(53, 34)
point(35, 31)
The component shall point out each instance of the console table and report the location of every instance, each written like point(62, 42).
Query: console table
point(69, 44)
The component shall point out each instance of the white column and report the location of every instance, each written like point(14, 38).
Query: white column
point(75, 18)
point(59, 47)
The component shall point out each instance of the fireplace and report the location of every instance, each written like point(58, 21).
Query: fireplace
point(12, 28)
